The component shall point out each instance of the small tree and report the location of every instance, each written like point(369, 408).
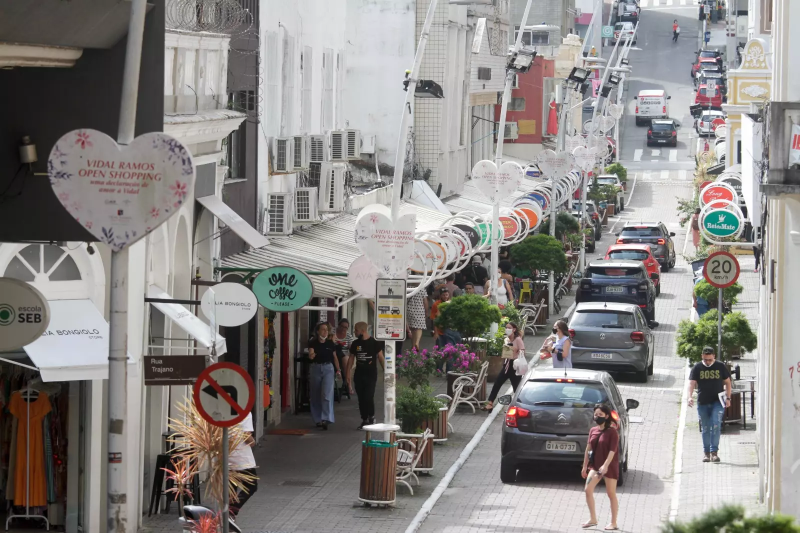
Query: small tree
point(565, 224)
point(414, 406)
point(619, 170)
point(469, 314)
point(541, 252)
point(694, 336)
point(732, 519)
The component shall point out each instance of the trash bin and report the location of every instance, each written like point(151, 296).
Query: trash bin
point(378, 466)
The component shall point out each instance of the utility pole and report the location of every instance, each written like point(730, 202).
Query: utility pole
point(118, 323)
point(560, 148)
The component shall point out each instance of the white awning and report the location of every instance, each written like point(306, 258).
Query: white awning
point(75, 345)
point(237, 224)
point(187, 321)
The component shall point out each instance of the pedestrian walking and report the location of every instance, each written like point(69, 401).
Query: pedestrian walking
point(757, 254)
point(454, 289)
point(676, 30)
point(562, 348)
point(417, 305)
point(601, 461)
point(696, 227)
point(367, 352)
point(469, 288)
point(476, 274)
point(444, 297)
point(508, 370)
point(504, 291)
point(324, 355)
point(711, 379)
point(241, 459)
point(344, 339)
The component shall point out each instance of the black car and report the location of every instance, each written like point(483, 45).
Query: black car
point(654, 234)
point(618, 281)
point(549, 418)
point(663, 131)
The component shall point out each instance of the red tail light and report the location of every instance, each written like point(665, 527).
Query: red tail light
point(662, 241)
point(615, 416)
point(664, 109)
point(561, 380)
point(620, 241)
point(702, 123)
point(637, 109)
point(649, 132)
point(514, 413)
point(637, 337)
point(571, 333)
point(674, 133)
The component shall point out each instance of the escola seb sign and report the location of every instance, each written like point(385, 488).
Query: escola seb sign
point(283, 289)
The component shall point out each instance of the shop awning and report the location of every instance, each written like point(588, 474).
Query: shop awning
point(187, 321)
point(236, 223)
point(471, 199)
point(75, 346)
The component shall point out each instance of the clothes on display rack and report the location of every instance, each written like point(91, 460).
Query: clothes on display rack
point(30, 476)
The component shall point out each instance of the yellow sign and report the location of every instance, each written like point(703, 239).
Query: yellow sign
point(527, 127)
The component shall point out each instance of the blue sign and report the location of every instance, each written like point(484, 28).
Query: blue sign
point(540, 199)
point(708, 36)
point(532, 172)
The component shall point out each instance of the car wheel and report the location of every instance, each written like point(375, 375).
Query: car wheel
point(665, 267)
point(672, 263)
point(650, 367)
point(641, 376)
point(658, 290)
point(508, 471)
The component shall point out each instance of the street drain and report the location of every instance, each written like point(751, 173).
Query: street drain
point(747, 442)
point(296, 483)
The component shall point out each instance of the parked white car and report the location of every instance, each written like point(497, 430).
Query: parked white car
point(625, 31)
point(651, 104)
point(613, 179)
point(703, 124)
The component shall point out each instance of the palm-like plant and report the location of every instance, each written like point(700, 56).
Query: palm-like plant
point(199, 446)
point(181, 475)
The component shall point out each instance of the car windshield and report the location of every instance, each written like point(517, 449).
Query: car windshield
point(603, 319)
point(563, 392)
point(633, 255)
point(662, 127)
point(614, 273)
point(643, 231)
point(607, 181)
point(708, 53)
point(576, 206)
point(711, 116)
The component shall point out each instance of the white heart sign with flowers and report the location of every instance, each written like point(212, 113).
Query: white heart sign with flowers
point(616, 110)
point(606, 123)
point(574, 141)
point(120, 193)
point(584, 157)
point(497, 184)
point(553, 164)
point(387, 243)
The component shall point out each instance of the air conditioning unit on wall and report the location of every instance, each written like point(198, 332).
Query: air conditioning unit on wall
point(331, 187)
point(277, 215)
point(318, 149)
point(305, 204)
point(345, 145)
point(512, 131)
point(282, 154)
point(300, 149)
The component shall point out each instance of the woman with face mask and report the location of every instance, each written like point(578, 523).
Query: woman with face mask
point(507, 372)
point(601, 461)
point(562, 348)
point(324, 355)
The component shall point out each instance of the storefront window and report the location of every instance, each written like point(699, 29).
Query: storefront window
point(43, 259)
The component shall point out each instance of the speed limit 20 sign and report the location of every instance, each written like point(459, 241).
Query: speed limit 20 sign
point(721, 270)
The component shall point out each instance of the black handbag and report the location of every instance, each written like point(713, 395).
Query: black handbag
point(560, 354)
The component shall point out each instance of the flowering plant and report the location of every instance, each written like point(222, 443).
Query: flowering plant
point(462, 359)
point(416, 366)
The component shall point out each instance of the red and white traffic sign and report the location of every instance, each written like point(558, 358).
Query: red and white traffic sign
point(721, 269)
point(224, 394)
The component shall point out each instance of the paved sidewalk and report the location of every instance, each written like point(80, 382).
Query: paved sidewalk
point(310, 483)
point(735, 479)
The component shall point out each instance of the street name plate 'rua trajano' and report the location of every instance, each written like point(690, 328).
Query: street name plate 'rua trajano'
point(172, 369)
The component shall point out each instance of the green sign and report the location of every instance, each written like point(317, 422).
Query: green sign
point(721, 223)
point(283, 289)
point(607, 32)
point(485, 237)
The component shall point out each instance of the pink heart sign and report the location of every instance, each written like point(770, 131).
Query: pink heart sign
point(553, 164)
point(120, 193)
point(493, 182)
point(389, 244)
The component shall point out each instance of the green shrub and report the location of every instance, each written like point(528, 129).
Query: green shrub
point(618, 169)
point(414, 406)
point(469, 314)
point(694, 336)
point(541, 252)
point(732, 519)
point(709, 293)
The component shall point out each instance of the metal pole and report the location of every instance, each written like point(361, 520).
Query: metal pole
point(402, 141)
point(399, 162)
point(498, 158)
point(225, 482)
point(719, 325)
point(560, 141)
point(118, 323)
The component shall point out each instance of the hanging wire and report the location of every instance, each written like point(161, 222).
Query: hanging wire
point(214, 16)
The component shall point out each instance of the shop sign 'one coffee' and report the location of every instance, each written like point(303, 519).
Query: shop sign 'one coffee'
point(24, 314)
point(120, 193)
point(283, 289)
point(230, 304)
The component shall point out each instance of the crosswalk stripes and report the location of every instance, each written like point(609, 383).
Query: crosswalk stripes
point(673, 155)
point(665, 175)
point(682, 175)
point(637, 154)
point(655, 153)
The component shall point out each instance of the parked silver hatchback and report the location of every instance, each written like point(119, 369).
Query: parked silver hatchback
point(611, 336)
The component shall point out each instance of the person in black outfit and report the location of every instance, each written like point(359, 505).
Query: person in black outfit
point(476, 274)
point(367, 352)
point(711, 379)
point(324, 355)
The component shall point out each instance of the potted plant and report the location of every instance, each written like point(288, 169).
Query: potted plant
point(565, 224)
point(708, 292)
point(495, 349)
point(620, 171)
point(416, 366)
point(417, 409)
point(461, 359)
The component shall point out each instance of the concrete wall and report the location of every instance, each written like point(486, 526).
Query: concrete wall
point(553, 12)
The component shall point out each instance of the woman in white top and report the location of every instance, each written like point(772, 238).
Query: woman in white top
point(242, 459)
point(503, 289)
point(508, 372)
point(562, 349)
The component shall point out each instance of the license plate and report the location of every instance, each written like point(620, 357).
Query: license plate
point(558, 446)
point(662, 140)
point(615, 290)
point(598, 355)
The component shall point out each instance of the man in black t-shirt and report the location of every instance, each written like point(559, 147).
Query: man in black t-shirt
point(367, 352)
point(711, 378)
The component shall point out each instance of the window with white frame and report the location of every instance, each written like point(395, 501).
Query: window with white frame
point(533, 37)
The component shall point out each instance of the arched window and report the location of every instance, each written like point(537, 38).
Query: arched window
point(51, 268)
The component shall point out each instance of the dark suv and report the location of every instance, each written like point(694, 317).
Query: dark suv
point(663, 131)
point(550, 415)
point(654, 234)
point(618, 281)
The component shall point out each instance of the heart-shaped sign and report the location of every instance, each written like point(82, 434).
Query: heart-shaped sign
point(553, 164)
point(388, 243)
point(592, 126)
point(616, 110)
point(574, 141)
point(606, 123)
point(120, 193)
point(497, 184)
point(584, 158)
